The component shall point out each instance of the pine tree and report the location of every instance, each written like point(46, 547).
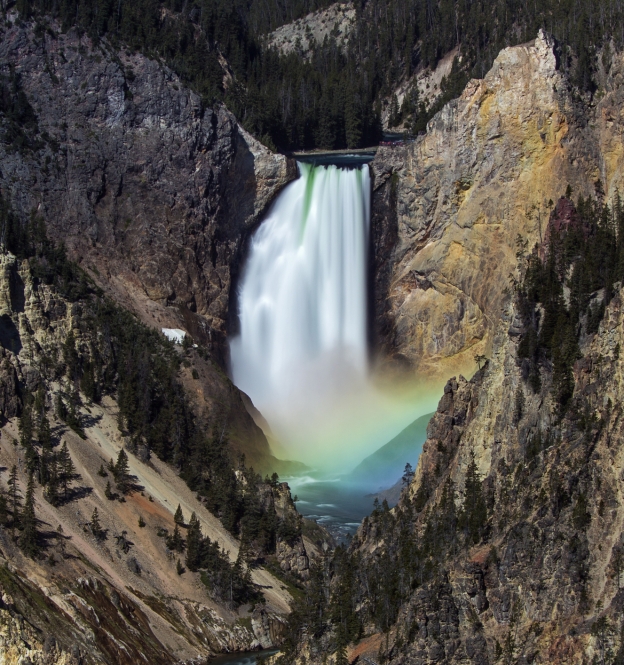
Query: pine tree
point(617, 560)
point(246, 551)
point(4, 510)
point(326, 126)
point(52, 491)
point(175, 542)
point(121, 472)
point(408, 475)
point(393, 114)
point(44, 468)
point(519, 404)
point(32, 459)
point(15, 500)
point(70, 356)
point(178, 518)
point(108, 492)
point(141, 521)
point(59, 407)
point(28, 541)
point(447, 517)
point(26, 428)
point(87, 383)
point(341, 652)
point(353, 122)
point(39, 404)
point(44, 433)
point(474, 512)
point(94, 524)
point(66, 469)
point(73, 414)
point(179, 567)
point(193, 544)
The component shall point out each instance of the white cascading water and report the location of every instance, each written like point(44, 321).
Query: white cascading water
point(302, 354)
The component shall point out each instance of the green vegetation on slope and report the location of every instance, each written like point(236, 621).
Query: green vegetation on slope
point(584, 255)
point(112, 353)
point(333, 100)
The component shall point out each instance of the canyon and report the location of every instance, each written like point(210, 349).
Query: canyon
point(156, 196)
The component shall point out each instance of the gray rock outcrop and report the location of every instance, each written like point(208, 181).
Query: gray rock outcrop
point(153, 192)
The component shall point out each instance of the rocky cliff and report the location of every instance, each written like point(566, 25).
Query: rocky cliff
point(507, 546)
point(546, 586)
point(449, 206)
point(153, 193)
point(305, 34)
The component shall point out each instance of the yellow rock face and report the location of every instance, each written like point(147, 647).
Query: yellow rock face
point(481, 177)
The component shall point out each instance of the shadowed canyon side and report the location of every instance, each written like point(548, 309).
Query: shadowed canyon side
point(150, 190)
point(448, 208)
point(153, 193)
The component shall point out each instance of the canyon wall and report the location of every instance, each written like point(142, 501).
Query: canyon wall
point(152, 192)
point(117, 596)
point(507, 545)
point(546, 586)
point(449, 207)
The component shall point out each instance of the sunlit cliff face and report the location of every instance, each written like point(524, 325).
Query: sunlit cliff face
point(302, 353)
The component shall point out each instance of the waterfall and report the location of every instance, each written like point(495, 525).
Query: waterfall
point(302, 354)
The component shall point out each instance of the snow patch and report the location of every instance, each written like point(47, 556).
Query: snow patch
point(174, 334)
